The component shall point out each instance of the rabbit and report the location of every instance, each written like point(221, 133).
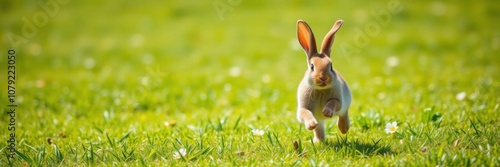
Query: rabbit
point(323, 92)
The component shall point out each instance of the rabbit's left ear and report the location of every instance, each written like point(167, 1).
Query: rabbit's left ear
point(326, 46)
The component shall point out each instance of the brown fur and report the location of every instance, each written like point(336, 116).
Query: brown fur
point(322, 93)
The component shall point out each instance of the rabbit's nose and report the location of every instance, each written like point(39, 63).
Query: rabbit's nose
point(322, 78)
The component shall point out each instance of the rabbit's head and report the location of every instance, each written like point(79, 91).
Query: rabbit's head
point(320, 72)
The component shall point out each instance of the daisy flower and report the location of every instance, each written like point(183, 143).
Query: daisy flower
point(391, 127)
point(177, 154)
point(257, 132)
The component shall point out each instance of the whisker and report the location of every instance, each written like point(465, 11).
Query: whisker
point(310, 89)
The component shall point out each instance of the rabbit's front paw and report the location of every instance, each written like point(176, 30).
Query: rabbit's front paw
point(327, 112)
point(311, 124)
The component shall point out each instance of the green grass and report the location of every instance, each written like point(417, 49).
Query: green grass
point(102, 78)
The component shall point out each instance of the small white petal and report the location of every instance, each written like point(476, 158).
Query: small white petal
point(178, 154)
point(235, 71)
point(392, 61)
point(461, 96)
point(257, 132)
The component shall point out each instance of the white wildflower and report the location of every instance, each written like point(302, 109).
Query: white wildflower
point(257, 132)
point(391, 127)
point(178, 154)
point(461, 96)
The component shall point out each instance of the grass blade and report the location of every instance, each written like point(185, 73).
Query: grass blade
point(237, 122)
point(25, 158)
point(58, 154)
point(111, 142)
point(124, 137)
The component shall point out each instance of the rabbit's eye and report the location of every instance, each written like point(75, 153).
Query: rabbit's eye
point(331, 68)
point(312, 67)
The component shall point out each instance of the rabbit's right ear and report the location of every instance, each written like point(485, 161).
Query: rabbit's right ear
point(306, 38)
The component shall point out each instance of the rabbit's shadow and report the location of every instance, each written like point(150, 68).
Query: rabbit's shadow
point(366, 148)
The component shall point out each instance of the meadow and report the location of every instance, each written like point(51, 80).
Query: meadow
point(213, 83)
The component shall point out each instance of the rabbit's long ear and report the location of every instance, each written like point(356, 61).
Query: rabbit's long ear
point(326, 46)
point(306, 38)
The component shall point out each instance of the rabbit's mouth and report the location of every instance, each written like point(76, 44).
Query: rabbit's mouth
point(322, 85)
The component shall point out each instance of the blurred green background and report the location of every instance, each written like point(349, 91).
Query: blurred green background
point(115, 44)
point(121, 65)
